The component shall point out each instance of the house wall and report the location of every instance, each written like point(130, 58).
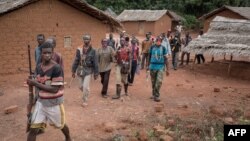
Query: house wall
point(163, 24)
point(49, 17)
point(139, 27)
point(142, 27)
point(225, 13)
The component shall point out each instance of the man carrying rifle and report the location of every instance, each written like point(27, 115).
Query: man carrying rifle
point(49, 104)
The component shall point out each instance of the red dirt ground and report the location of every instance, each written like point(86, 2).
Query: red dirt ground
point(186, 94)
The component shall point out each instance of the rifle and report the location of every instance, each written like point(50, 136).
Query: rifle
point(31, 95)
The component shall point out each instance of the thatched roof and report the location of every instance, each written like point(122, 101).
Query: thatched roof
point(225, 36)
point(7, 6)
point(242, 11)
point(110, 12)
point(175, 16)
point(146, 15)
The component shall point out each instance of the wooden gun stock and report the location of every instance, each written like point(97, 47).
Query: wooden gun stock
point(29, 106)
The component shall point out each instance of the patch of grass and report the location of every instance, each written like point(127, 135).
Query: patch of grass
point(202, 126)
point(243, 121)
point(118, 137)
point(151, 133)
point(135, 134)
point(219, 136)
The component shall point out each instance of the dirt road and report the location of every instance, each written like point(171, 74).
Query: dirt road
point(185, 94)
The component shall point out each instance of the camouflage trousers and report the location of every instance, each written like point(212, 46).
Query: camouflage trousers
point(156, 79)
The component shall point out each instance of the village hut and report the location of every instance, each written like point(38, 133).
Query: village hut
point(66, 20)
point(225, 11)
point(225, 37)
point(139, 22)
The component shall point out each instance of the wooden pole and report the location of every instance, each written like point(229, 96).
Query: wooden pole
point(231, 58)
point(229, 69)
point(229, 66)
point(212, 60)
point(192, 67)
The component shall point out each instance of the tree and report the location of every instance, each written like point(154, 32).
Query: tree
point(189, 9)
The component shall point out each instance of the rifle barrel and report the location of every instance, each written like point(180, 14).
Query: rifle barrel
point(29, 60)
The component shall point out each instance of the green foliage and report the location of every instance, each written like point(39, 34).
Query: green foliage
point(189, 8)
point(151, 134)
point(243, 121)
point(219, 136)
point(191, 22)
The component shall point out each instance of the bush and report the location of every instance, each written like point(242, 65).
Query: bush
point(191, 22)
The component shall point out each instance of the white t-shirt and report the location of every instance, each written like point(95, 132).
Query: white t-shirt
point(179, 28)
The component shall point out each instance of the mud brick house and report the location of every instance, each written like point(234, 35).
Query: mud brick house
point(139, 22)
point(226, 11)
point(67, 20)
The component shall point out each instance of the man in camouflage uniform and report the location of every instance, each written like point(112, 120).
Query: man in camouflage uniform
point(157, 62)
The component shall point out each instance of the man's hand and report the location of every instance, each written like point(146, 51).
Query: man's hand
point(167, 73)
point(73, 75)
point(95, 76)
point(31, 82)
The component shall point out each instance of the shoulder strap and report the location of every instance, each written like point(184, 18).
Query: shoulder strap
point(80, 49)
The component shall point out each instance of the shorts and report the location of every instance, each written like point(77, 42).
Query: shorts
point(55, 115)
point(121, 78)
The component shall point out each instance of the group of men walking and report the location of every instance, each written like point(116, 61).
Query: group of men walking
point(88, 61)
point(49, 77)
